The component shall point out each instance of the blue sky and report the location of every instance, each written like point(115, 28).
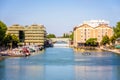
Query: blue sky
point(58, 16)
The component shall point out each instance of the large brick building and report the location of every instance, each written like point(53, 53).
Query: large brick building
point(91, 29)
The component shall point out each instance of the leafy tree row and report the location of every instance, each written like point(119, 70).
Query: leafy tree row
point(68, 36)
point(105, 40)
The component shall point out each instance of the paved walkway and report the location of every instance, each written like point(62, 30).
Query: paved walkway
point(111, 50)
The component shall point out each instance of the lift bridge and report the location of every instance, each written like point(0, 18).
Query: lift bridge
point(60, 42)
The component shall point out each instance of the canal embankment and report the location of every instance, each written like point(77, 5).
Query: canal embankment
point(87, 49)
point(98, 49)
point(111, 50)
point(21, 51)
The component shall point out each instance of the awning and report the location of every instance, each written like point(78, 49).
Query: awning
point(118, 46)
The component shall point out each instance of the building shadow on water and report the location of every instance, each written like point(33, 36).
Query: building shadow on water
point(97, 73)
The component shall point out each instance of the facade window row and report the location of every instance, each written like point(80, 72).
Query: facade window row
point(34, 34)
point(85, 31)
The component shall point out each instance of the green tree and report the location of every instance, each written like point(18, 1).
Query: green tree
point(11, 40)
point(51, 36)
point(112, 39)
point(3, 29)
point(117, 30)
point(7, 39)
point(71, 36)
point(105, 40)
point(66, 35)
point(91, 41)
point(15, 40)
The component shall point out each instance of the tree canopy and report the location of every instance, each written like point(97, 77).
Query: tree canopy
point(51, 36)
point(66, 35)
point(105, 40)
point(3, 29)
point(91, 42)
point(112, 39)
point(15, 39)
point(7, 39)
point(71, 36)
point(11, 39)
point(117, 30)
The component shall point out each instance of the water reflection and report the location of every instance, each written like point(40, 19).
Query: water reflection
point(2, 68)
point(59, 72)
point(117, 73)
point(94, 73)
point(62, 64)
point(22, 73)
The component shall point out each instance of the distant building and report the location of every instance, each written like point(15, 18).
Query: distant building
point(91, 29)
point(34, 34)
point(95, 23)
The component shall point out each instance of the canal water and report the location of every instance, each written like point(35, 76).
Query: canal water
point(62, 64)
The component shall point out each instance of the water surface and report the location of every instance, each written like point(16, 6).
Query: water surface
point(62, 64)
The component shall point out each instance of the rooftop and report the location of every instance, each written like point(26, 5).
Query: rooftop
point(95, 23)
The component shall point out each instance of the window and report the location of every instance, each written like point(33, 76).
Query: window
point(105, 32)
point(98, 35)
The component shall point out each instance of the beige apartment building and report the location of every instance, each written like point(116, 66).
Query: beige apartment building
point(34, 34)
point(86, 31)
point(15, 29)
